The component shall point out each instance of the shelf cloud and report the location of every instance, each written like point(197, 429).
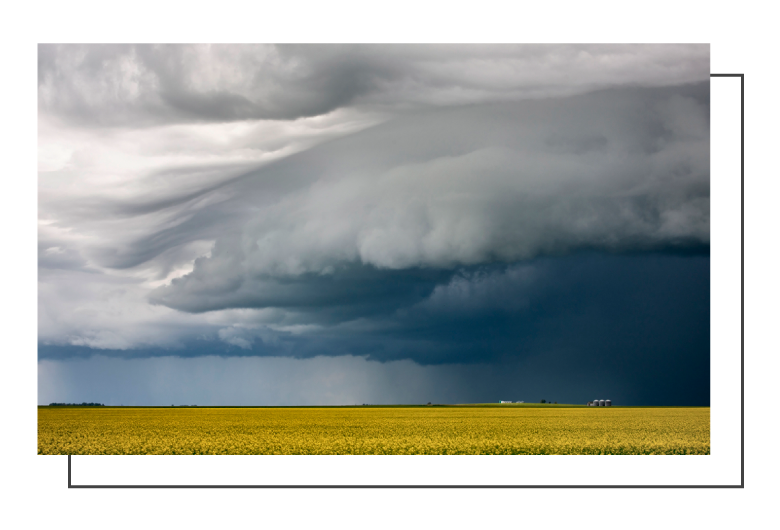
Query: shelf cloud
point(465, 205)
point(618, 171)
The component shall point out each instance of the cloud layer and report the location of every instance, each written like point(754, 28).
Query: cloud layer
point(130, 85)
point(544, 209)
point(620, 171)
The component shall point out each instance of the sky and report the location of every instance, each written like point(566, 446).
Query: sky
point(326, 224)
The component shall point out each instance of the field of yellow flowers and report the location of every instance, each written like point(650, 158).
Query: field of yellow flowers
point(369, 430)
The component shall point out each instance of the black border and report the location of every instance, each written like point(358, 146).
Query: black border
point(724, 469)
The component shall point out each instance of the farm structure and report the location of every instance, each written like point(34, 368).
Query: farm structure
point(600, 403)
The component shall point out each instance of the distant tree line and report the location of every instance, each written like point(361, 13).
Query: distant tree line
point(76, 405)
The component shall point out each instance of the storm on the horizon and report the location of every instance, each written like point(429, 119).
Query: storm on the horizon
point(345, 224)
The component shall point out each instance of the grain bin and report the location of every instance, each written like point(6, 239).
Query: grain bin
point(608, 403)
point(602, 403)
point(595, 402)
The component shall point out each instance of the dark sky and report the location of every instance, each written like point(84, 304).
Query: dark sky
point(374, 224)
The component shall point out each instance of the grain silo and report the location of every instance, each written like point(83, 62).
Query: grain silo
point(602, 403)
point(608, 403)
point(595, 402)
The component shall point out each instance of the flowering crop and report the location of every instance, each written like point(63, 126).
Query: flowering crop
point(368, 430)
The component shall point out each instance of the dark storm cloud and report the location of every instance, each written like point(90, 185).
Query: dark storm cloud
point(580, 305)
point(590, 307)
point(349, 289)
point(632, 328)
point(620, 171)
point(467, 222)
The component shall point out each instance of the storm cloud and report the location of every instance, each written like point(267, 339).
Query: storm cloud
point(545, 209)
point(614, 171)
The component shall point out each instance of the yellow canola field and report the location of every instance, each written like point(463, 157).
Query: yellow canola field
point(364, 430)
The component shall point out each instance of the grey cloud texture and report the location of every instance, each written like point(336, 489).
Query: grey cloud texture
point(634, 329)
point(366, 200)
point(620, 170)
point(141, 85)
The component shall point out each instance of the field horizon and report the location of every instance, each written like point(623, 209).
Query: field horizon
point(401, 405)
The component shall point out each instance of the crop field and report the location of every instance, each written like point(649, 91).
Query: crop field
point(374, 430)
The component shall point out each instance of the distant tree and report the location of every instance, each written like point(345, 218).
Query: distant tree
point(85, 404)
point(543, 401)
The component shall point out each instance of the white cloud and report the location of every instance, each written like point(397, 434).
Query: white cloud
point(145, 84)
